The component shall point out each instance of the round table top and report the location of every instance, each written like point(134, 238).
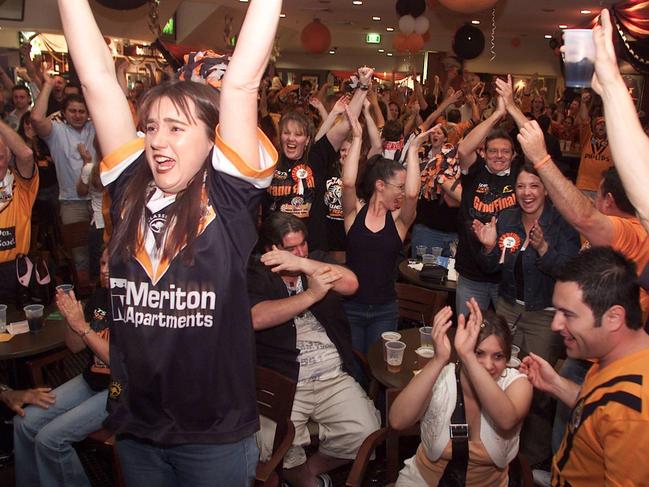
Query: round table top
point(412, 276)
point(50, 337)
point(379, 367)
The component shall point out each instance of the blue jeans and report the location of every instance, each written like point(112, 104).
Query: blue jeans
point(368, 321)
point(43, 437)
point(423, 235)
point(483, 292)
point(191, 465)
point(574, 370)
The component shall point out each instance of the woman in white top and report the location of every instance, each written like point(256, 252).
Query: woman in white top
point(495, 402)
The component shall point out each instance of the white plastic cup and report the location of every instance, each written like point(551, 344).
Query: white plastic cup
point(389, 336)
point(514, 362)
point(579, 57)
point(394, 355)
point(66, 288)
point(3, 318)
point(515, 351)
point(425, 336)
point(420, 250)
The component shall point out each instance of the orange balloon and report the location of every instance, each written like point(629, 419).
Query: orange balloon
point(468, 6)
point(415, 42)
point(316, 37)
point(399, 42)
point(426, 36)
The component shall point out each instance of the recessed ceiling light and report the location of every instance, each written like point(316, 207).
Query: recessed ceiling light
point(389, 54)
point(357, 2)
point(332, 52)
point(585, 12)
point(243, 1)
point(563, 26)
point(390, 29)
point(381, 50)
point(475, 22)
point(547, 36)
point(282, 16)
point(376, 18)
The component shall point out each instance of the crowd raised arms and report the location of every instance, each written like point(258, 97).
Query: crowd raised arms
point(254, 223)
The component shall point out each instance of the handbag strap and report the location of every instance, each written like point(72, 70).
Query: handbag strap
point(455, 471)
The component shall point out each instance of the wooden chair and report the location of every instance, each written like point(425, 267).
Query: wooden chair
point(75, 235)
point(519, 467)
point(275, 395)
point(417, 303)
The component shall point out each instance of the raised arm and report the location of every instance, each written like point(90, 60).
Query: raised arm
point(376, 109)
point(575, 207)
point(23, 153)
point(350, 201)
point(40, 121)
point(505, 90)
point(467, 147)
point(238, 104)
point(372, 131)
point(628, 142)
point(406, 214)
point(330, 118)
point(106, 102)
point(451, 98)
point(339, 132)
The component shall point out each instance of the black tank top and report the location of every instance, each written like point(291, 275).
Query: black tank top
point(373, 257)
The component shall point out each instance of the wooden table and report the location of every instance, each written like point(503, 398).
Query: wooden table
point(379, 368)
point(412, 276)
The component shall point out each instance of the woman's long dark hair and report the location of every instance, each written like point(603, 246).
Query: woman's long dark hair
point(185, 215)
point(377, 168)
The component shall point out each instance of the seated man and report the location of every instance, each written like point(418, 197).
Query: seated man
point(302, 332)
point(18, 189)
point(598, 315)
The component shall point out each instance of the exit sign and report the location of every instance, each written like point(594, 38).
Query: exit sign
point(373, 39)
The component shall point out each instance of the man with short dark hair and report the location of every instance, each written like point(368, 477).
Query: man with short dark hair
point(302, 332)
point(22, 101)
point(598, 315)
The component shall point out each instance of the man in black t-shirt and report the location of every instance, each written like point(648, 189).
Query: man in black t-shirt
point(488, 182)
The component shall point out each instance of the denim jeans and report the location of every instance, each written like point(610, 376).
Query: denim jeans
point(75, 211)
point(574, 370)
point(423, 235)
point(43, 437)
point(483, 292)
point(190, 465)
point(368, 321)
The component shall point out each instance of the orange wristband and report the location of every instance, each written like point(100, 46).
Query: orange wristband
point(542, 162)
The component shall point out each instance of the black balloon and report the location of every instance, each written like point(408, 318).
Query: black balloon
point(122, 4)
point(468, 42)
point(417, 7)
point(403, 7)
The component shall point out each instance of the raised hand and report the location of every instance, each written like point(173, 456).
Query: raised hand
point(72, 311)
point(365, 74)
point(468, 329)
point(415, 144)
point(315, 103)
point(506, 91)
point(357, 129)
point(441, 343)
point(532, 142)
point(339, 106)
point(282, 260)
point(537, 239)
point(606, 70)
point(486, 233)
point(540, 373)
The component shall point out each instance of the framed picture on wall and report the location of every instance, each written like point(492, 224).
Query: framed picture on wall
point(635, 85)
point(12, 10)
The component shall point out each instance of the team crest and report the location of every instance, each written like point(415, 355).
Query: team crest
point(114, 389)
point(575, 418)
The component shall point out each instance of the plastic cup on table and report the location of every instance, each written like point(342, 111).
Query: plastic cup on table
point(425, 336)
point(3, 318)
point(428, 259)
point(394, 355)
point(389, 336)
point(424, 355)
point(420, 251)
point(34, 315)
point(579, 57)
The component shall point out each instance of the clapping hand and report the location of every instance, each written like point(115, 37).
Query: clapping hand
point(486, 233)
point(468, 329)
point(72, 311)
point(441, 343)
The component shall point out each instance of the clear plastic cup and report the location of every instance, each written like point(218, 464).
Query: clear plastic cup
point(3, 318)
point(425, 336)
point(424, 355)
point(420, 251)
point(34, 315)
point(515, 351)
point(514, 362)
point(66, 288)
point(394, 355)
point(579, 57)
point(428, 259)
point(389, 336)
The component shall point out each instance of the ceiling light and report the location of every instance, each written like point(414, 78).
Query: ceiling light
point(357, 2)
point(381, 50)
point(585, 12)
point(547, 36)
point(243, 1)
point(389, 54)
point(390, 29)
point(282, 16)
point(332, 52)
point(376, 18)
point(475, 22)
point(563, 26)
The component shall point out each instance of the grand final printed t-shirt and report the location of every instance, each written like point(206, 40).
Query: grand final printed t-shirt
point(181, 340)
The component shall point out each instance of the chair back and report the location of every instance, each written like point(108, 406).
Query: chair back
point(416, 302)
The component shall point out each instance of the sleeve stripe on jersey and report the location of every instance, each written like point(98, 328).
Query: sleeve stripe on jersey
point(115, 163)
point(267, 162)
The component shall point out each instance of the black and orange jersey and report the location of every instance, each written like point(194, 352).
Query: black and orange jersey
point(182, 354)
point(16, 216)
point(606, 437)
